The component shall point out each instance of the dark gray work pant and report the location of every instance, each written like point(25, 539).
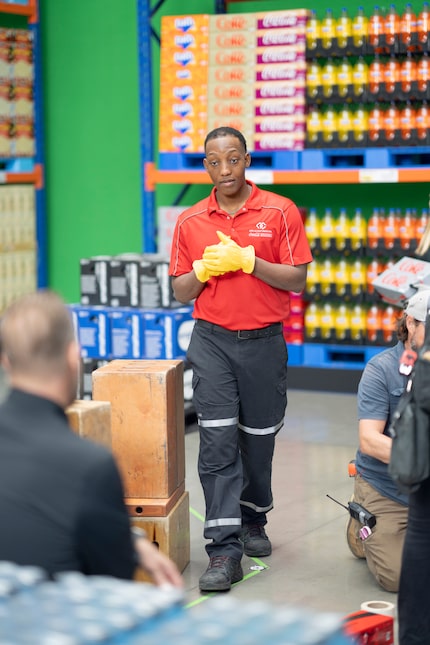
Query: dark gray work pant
point(240, 397)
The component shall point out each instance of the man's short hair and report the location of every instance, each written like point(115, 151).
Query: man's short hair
point(35, 332)
point(226, 131)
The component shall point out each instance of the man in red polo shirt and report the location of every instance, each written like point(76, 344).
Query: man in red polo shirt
point(237, 253)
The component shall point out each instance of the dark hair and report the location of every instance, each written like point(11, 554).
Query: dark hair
point(226, 131)
point(401, 328)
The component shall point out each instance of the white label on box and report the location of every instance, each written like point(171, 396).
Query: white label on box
point(378, 176)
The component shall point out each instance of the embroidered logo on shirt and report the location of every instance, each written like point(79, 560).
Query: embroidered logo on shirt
point(260, 230)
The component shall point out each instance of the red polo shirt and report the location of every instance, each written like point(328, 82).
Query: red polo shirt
point(236, 300)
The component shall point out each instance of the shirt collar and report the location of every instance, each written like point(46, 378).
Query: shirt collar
point(253, 202)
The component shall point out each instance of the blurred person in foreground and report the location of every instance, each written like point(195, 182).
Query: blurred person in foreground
point(414, 591)
point(380, 388)
point(61, 496)
point(238, 253)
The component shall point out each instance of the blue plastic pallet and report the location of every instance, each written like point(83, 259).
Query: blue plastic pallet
point(338, 356)
point(272, 160)
point(328, 158)
point(18, 164)
point(295, 354)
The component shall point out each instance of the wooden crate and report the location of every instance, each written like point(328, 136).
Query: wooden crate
point(171, 533)
point(148, 436)
point(92, 420)
point(153, 506)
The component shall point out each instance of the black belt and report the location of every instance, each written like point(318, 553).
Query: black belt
point(243, 334)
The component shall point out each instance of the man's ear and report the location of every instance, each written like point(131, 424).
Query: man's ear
point(247, 160)
point(73, 355)
point(205, 163)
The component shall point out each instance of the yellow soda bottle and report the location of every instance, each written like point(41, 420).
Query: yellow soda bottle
point(328, 77)
point(358, 277)
point(344, 124)
point(327, 321)
point(358, 322)
point(341, 277)
point(312, 321)
point(327, 276)
point(313, 278)
point(328, 124)
point(328, 30)
point(343, 29)
point(359, 28)
point(341, 229)
point(327, 229)
point(359, 118)
point(358, 230)
point(312, 227)
point(313, 30)
point(342, 322)
point(344, 76)
point(313, 125)
point(313, 79)
point(360, 77)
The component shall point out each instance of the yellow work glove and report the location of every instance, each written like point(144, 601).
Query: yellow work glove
point(202, 273)
point(229, 256)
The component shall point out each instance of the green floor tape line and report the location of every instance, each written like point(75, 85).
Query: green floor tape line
point(262, 567)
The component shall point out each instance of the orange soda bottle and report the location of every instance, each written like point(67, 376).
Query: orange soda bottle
point(391, 25)
point(408, 25)
point(391, 74)
point(375, 123)
point(374, 229)
point(407, 121)
point(374, 268)
point(375, 27)
point(391, 121)
point(423, 72)
point(376, 76)
point(407, 73)
point(389, 320)
point(423, 23)
point(359, 26)
point(406, 229)
point(391, 229)
point(422, 121)
point(373, 323)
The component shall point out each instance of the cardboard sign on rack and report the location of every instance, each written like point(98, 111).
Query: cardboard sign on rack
point(402, 280)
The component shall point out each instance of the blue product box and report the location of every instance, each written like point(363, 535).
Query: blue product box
point(167, 332)
point(127, 333)
point(92, 327)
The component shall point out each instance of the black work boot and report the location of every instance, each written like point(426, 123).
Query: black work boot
point(255, 541)
point(221, 573)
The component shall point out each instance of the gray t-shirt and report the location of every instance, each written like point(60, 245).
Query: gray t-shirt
point(379, 391)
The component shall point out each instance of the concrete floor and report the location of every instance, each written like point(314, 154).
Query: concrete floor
point(311, 566)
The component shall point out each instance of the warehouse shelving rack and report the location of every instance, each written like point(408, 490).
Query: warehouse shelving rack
point(153, 176)
point(31, 170)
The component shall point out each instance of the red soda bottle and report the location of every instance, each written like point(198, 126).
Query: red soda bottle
point(375, 27)
point(391, 26)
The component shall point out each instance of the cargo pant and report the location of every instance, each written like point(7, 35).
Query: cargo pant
point(383, 549)
point(240, 397)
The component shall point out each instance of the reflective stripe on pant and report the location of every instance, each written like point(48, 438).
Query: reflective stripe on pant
point(240, 398)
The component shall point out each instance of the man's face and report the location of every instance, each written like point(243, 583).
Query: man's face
point(416, 334)
point(225, 162)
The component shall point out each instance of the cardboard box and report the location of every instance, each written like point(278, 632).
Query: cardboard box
point(167, 333)
point(127, 333)
point(369, 629)
point(401, 281)
point(92, 326)
point(94, 280)
point(233, 22)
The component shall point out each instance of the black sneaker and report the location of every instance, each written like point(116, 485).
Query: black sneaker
point(255, 541)
point(221, 573)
